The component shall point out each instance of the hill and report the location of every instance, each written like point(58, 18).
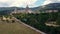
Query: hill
point(51, 6)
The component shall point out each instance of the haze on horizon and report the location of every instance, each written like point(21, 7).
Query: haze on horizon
point(23, 3)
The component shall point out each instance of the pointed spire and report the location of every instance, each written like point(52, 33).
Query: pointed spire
point(27, 8)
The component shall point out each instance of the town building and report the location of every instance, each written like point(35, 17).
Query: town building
point(26, 10)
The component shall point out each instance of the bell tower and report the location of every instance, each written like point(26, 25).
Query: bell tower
point(27, 8)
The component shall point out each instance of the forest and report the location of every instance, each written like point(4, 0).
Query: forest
point(38, 21)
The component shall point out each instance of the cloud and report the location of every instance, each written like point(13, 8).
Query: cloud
point(23, 3)
point(51, 1)
point(17, 3)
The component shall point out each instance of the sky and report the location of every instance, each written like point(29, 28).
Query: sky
point(24, 3)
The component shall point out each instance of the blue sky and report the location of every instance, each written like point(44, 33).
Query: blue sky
point(39, 2)
point(23, 3)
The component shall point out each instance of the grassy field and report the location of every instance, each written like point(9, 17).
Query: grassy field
point(15, 28)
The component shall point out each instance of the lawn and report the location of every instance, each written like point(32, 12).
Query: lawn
point(15, 28)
